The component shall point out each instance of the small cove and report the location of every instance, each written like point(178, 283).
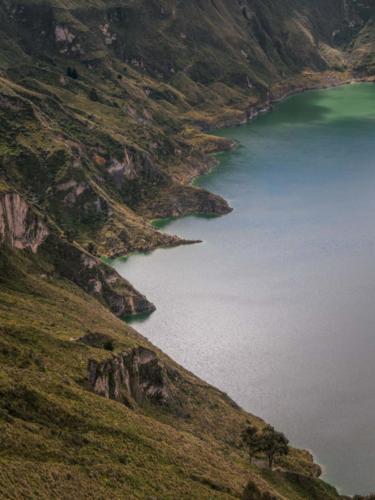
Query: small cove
point(276, 306)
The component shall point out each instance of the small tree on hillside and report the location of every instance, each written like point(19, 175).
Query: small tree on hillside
point(273, 443)
point(267, 441)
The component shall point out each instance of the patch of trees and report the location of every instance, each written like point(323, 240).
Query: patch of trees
point(266, 441)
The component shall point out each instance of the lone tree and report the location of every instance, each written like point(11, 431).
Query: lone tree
point(273, 443)
point(267, 441)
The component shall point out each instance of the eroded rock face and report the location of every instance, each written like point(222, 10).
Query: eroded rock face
point(105, 283)
point(136, 376)
point(20, 227)
point(121, 171)
point(96, 278)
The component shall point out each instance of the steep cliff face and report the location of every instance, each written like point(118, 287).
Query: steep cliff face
point(137, 376)
point(20, 227)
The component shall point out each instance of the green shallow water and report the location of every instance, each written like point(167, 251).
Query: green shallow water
point(277, 305)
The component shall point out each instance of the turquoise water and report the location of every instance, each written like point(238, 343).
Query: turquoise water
point(277, 305)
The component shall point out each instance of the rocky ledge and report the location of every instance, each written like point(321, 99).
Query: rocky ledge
point(95, 277)
point(132, 377)
point(183, 201)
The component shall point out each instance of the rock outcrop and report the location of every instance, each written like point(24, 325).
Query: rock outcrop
point(95, 277)
point(134, 377)
point(20, 227)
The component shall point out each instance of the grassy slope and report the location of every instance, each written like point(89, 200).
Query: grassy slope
point(58, 439)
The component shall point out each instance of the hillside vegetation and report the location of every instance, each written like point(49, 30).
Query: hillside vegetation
point(105, 109)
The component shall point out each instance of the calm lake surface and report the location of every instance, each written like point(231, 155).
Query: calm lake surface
point(277, 306)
